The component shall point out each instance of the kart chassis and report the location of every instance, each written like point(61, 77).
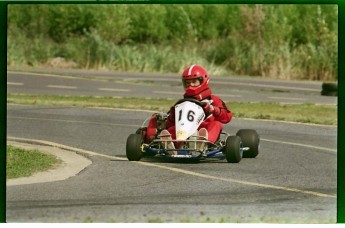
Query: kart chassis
point(189, 148)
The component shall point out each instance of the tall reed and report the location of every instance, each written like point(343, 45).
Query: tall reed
point(258, 40)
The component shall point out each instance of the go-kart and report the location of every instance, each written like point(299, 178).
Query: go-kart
point(189, 115)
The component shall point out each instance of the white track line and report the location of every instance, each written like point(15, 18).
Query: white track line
point(114, 90)
point(167, 92)
point(176, 80)
point(61, 87)
point(288, 98)
point(15, 83)
point(299, 144)
point(70, 121)
point(187, 172)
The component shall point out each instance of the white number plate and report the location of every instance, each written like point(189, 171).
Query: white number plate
point(188, 117)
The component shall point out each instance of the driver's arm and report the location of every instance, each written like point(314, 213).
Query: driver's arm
point(171, 118)
point(223, 114)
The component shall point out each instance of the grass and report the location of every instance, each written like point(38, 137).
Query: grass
point(24, 163)
point(302, 113)
point(275, 220)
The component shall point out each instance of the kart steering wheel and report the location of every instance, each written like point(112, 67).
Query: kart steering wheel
point(191, 100)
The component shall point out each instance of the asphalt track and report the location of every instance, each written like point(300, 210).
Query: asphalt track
point(91, 83)
point(292, 180)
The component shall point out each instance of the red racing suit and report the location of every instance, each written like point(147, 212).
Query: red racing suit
point(213, 122)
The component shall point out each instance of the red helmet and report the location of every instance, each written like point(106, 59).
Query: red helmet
point(198, 72)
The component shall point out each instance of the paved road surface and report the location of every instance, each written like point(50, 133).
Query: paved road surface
point(96, 83)
point(292, 180)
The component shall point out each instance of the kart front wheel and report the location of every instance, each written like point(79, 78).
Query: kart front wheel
point(133, 150)
point(250, 138)
point(233, 149)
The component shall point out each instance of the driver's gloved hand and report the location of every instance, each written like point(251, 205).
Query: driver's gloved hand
point(171, 116)
point(210, 109)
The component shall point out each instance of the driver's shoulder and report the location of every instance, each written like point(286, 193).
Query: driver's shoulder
point(215, 97)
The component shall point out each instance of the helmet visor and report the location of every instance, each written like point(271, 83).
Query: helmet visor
point(192, 82)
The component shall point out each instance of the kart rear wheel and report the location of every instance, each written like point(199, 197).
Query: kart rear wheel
point(233, 150)
point(133, 150)
point(250, 138)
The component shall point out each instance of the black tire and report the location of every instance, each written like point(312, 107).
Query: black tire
point(329, 87)
point(233, 151)
point(329, 93)
point(250, 138)
point(133, 150)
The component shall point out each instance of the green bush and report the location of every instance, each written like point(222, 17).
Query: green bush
point(259, 40)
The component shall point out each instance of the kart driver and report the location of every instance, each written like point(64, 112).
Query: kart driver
point(195, 81)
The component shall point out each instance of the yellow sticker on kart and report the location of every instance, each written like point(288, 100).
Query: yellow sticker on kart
point(180, 134)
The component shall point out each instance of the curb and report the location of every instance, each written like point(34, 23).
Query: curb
point(72, 163)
